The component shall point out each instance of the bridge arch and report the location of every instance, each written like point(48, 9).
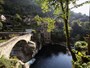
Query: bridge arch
point(7, 48)
point(22, 51)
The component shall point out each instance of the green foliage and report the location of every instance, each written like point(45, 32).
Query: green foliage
point(6, 63)
point(60, 9)
point(44, 5)
point(18, 17)
point(83, 60)
point(1, 25)
point(1, 8)
point(55, 5)
point(48, 21)
point(56, 12)
point(2, 41)
point(79, 17)
point(69, 29)
point(38, 19)
point(1, 1)
point(85, 25)
point(81, 44)
point(57, 36)
point(81, 65)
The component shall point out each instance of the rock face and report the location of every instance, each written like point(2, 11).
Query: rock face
point(18, 46)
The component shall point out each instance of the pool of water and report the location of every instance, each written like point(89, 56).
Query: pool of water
point(54, 56)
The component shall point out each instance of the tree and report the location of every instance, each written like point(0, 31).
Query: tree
point(78, 16)
point(15, 10)
point(48, 21)
point(1, 8)
point(1, 25)
point(76, 28)
point(60, 10)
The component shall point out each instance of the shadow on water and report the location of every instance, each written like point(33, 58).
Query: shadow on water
point(50, 49)
point(52, 56)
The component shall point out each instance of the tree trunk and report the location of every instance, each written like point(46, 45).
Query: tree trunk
point(67, 31)
point(68, 40)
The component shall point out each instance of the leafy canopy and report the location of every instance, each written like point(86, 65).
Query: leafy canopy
point(49, 21)
point(58, 6)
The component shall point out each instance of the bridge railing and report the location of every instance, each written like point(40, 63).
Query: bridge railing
point(14, 32)
point(8, 35)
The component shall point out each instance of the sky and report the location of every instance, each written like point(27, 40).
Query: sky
point(83, 9)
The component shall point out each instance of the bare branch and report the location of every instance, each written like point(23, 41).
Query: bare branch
point(76, 6)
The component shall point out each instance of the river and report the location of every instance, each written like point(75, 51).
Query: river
point(54, 56)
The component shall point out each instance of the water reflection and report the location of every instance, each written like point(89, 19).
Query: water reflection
point(54, 56)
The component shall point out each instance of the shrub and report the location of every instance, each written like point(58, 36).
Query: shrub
point(6, 63)
point(81, 45)
point(83, 60)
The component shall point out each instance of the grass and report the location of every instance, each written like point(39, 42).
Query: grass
point(2, 41)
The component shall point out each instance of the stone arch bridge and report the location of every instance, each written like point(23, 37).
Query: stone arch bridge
point(20, 46)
